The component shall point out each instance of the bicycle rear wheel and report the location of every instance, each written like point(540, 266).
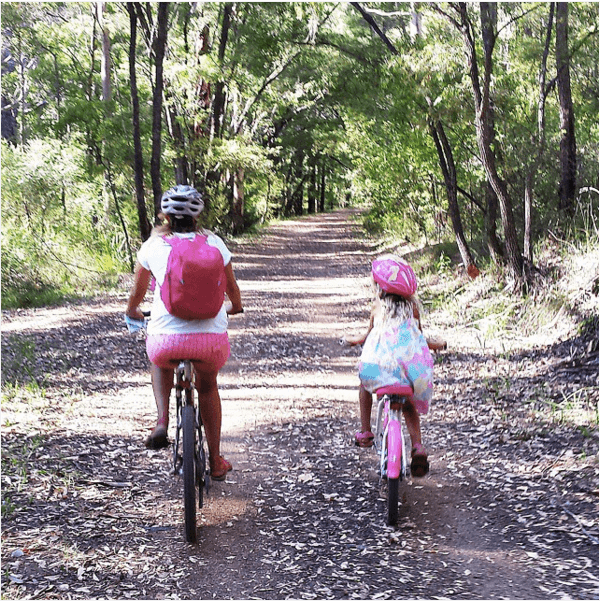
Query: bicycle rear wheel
point(393, 486)
point(189, 472)
point(202, 479)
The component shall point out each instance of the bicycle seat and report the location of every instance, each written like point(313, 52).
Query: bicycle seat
point(395, 389)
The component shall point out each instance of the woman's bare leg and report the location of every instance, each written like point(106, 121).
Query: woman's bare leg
point(162, 383)
point(209, 401)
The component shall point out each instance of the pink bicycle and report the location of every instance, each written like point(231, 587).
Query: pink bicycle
point(391, 442)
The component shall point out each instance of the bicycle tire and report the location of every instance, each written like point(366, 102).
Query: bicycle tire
point(201, 475)
point(189, 472)
point(393, 487)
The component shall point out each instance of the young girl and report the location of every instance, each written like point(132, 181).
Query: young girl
point(170, 338)
point(395, 352)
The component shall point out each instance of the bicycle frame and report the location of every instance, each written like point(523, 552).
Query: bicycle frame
point(389, 439)
point(390, 443)
point(184, 382)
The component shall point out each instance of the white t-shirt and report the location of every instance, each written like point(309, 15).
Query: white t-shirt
point(153, 255)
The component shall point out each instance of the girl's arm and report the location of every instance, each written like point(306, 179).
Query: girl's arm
point(141, 282)
point(434, 345)
point(355, 340)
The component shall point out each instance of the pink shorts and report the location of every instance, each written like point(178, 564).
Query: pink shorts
point(210, 350)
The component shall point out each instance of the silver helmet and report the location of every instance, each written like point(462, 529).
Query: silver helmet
point(182, 200)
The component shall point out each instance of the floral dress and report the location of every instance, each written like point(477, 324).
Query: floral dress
point(396, 352)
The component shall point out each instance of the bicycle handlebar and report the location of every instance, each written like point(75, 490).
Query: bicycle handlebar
point(136, 325)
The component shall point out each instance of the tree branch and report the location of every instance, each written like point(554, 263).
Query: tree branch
point(369, 19)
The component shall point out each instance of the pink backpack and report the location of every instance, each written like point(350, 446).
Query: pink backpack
point(194, 286)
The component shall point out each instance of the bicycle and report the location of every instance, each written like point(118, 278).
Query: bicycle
point(390, 443)
point(189, 448)
point(191, 462)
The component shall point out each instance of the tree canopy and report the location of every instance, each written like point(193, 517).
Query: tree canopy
point(472, 122)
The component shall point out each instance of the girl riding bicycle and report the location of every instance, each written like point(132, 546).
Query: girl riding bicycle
point(170, 339)
point(395, 352)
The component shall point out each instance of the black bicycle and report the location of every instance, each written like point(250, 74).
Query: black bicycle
point(189, 451)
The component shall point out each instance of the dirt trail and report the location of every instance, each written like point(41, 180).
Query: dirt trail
point(508, 511)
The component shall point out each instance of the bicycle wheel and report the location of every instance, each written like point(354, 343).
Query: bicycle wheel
point(189, 472)
point(394, 466)
point(201, 475)
point(393, 500)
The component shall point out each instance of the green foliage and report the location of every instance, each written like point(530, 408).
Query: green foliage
point(312, 98)
point(54, 244)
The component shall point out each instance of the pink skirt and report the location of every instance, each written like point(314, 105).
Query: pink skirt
point(211, 351)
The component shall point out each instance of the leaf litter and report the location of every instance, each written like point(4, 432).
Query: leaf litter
point(508, 511)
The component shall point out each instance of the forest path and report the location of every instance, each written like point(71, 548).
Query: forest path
point(508, 511)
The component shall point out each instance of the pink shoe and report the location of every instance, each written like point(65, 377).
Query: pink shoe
point(364, 439)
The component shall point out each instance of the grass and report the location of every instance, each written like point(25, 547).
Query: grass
point(16, 469)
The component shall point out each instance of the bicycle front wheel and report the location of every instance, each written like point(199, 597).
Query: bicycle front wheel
point(189, 472)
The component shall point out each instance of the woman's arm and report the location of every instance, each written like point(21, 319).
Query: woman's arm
point(141, 282)
point(233, 292)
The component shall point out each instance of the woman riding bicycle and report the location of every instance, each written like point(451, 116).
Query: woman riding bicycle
point(204, 341)
point(395, 352)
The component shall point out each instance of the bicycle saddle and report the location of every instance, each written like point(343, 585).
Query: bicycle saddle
point(396, 389)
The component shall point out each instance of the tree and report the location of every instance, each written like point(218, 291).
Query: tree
point(444, 153)
point(568, 146)
point(159, 45)
point(449, 172)
point(138, 158)
point(481, 89)
point(539, 144)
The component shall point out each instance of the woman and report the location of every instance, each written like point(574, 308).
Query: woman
point(170, 338)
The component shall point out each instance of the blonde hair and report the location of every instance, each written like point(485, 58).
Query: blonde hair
point(396, 308)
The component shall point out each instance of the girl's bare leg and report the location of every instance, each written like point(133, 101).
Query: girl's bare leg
point(419, 465)
point(365, 400)
point(413, 422)
point(162, 383)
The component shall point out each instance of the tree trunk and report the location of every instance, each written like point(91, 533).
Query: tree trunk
point(447, 166)
point(493, 242)
point(539, 143)
point(159, 46)
point(105, 64)
point(105, 68)
point(298, 194)
point(322, 191)
point(180, 163)
point(218, 108)
point(138, 159)
point(312, 188)
point(568, 146)
point(237, 203)
point(481, 96)
point(217, 112)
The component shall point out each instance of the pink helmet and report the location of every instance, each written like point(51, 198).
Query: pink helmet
point(394, 275)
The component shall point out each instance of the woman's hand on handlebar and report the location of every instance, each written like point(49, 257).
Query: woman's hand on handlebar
point(135, 313)
point(231, 310)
